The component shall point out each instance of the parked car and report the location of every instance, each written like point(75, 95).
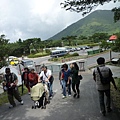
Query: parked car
point(87, 47)
point(28, 63)
point(77, 49)
point(69, 49)
point(73, 49)
point(115, 60)
point(82, 48)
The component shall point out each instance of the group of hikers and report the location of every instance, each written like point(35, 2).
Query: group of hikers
point(69, 79)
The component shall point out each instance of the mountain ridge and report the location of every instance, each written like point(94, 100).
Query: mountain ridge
point(97, 21)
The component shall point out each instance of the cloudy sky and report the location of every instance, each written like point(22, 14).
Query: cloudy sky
point(36, 18)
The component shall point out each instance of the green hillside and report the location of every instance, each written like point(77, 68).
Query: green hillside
point(97, 21)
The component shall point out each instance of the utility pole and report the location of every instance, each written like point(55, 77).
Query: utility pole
point(110, 55)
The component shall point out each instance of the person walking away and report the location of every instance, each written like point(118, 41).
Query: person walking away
point(25, 78)
point(10, 81)
point(65, 79)
point(33, 77)
point(75, 80)
point(46, 75)
point(103, 88)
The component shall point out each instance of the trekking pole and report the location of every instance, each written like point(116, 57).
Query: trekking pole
point(21, 78)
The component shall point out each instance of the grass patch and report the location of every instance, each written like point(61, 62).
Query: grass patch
point(116, 94)
point(110, 63)
point(41, 54)
point(4, 98)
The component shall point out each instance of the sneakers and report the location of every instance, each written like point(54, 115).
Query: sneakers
point(29, 93)
point(48, 101)
point(22, 102)
point(78, 96)
point(69, 95)
point(50, 97)
point(12, 106)
point(103, 113)
point(63, 97)
point(74, 95)
point(109, 110)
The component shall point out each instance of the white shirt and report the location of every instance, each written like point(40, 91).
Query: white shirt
point(48, 73)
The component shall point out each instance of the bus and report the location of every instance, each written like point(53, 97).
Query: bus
point(58, 53)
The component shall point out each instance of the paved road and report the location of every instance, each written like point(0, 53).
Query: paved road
point(85, 108)
point(92, 60)
point(42, 60)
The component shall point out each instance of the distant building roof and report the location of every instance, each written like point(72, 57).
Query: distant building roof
point(113, 37)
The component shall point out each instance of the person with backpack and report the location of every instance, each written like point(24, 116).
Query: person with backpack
point(33, 77)
point(103, 87)
point(25, 78)
point(10, 82)
point(75, 80)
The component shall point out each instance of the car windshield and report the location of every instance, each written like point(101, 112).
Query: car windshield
point(28, 63)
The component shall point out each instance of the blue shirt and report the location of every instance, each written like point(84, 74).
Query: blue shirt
point(66, 74)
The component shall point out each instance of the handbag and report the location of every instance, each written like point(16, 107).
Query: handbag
point(104, 80)
point(51, 78)
point(80, 77)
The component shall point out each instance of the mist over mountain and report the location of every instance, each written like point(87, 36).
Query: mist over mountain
point(101, 21)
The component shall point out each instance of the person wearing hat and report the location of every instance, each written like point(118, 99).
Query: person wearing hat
point(33, 77)
point(10, 81)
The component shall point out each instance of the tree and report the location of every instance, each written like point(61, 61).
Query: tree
point(104, 44)
point(85, 6)
point(116, 45)
point(98, 37)
point(69, 39)
point(4, 50)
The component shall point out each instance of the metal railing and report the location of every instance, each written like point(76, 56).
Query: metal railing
point(55, 67)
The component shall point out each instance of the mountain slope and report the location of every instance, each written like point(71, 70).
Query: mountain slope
point(97, 21)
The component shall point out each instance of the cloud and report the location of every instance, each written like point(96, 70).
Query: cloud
point(35, 18)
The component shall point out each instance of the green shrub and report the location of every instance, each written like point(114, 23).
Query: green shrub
point(71, 55)
point(66, 56)
point(55, 59)
point(116, 94)
point(48, 51)
point(74, 54)
point(118, 83)
point(37, 55)
point(3, 98)
point(33, 51)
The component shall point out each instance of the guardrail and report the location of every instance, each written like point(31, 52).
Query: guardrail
point(55, 67)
